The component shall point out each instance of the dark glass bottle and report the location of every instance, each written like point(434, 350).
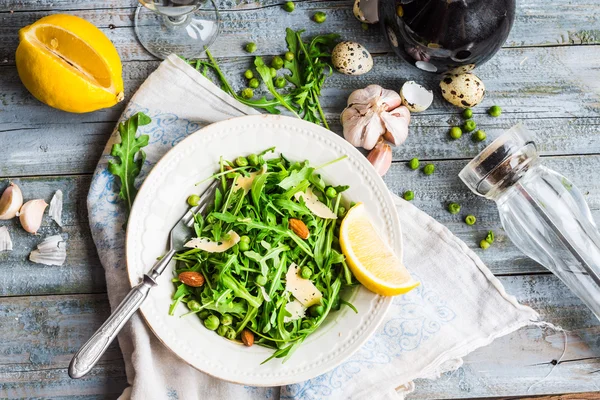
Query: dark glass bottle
point(443, 35)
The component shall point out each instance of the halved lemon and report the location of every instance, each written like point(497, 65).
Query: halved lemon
point(370, 258)
point(68, 63)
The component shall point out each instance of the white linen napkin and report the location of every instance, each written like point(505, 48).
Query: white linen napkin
point(459, 307)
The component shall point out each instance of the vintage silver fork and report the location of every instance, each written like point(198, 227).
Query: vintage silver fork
point(89, 354)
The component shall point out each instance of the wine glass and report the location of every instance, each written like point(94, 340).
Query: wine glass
point(183, 27)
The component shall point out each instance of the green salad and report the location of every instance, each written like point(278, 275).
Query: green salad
point(265, 266)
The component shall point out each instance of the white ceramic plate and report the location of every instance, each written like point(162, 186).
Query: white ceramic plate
point(161, 201)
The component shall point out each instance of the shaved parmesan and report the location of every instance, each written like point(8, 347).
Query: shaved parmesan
point(214, 247)
point(245, 182)
point(51, 251)
point(5, 241)
point(56, 206)
point(296, 309)
point(302, 289)
point(315, 206)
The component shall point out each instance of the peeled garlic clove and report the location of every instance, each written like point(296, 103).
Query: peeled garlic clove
point(396, 125)
point(381, 157)
point(416, 97)
point(10, 202)
point(31, 215)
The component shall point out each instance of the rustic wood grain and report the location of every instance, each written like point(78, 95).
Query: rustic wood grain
point(574, 396)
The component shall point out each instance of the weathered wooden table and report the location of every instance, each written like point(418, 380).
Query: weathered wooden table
point(547, 76)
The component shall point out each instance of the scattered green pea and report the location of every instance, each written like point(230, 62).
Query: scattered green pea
point(253, 83)
point(226, 319)
point(253, 159)
point(244, 246)
point(319, 17)
point(289, 6)
point(277, 62)
point(273, 72)
point(490, 237)
point(317, 310)
point(330, 192)
point(469, 126)
point(467, 113)
point(203, 314)
point(241, 161)
point(414, 163)
point(248, 74)
point(193, 305)
point(455, 132)
point(453, 208)
point(193, 200)
point(212, 322)
point(409, 195)
point(478, 136)
point(495, 111)
point(251, 47)
point(470, 219)
point(341, 212)
point(221, 330)
point(364, 26)
point(429, 169)
point(261, 280)
point(280, 82)
point(244, 239)
point(305, 273)
point(247, 93)
point(484, 244)
point(230, 333)
point(289, 56)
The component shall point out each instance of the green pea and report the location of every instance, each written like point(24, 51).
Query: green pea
point(453, 208)
point(330, 192)
point(364, 26)
point(222, 330)
point(247, 93)
point(204, 314)
point(277, 62)
point(414, 163)
point(226, 319)
point(241, 161)
point(244, 239)
point(495, 111)
point(273, 72)
point(253, 83)
point(253, 160)
point(193, 305)
point(306, 324)
point(261, 280)
point(280, 82)
point(249, 74)
point(468, 113)
point(490, 237)
point(429, 169)
point(317, 310)
point(341, 212)
point(305, 273)
point(470, 219)
point(484, 244)
point(319, 17)
point(230, 333)
point(469, 126)
point(478, 136)
point(455, 132)
point(212, 322)
point(193, 200)
point(289, 56)
point(409, 195)
point(251, 47)
point(289, 6)
point(244, 246)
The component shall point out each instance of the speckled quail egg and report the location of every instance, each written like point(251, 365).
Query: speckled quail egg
point(351, 58)
point(462, 90)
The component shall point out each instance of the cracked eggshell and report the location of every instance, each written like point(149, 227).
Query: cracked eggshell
point(351, 58)
point(462, 90)
point(416, 97)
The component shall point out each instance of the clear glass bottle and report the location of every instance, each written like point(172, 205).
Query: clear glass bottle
point(542, 212)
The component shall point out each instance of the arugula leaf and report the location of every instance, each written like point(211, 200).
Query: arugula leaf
point(130, 155)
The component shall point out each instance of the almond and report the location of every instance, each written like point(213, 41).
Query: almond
point(191, 278)
point(248, 337)
point(299, 228)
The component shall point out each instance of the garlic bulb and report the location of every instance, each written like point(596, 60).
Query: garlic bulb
point(10, 202)
point(31, 215)
point(381, 157)
point(373, 112)
point(51, 251)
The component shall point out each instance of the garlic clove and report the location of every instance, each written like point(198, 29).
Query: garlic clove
point(396, 125)
point(366, 96)
point(416, 97)
point(31, 215)
point(10, 202)
point(390, 99)
point(381, 157)
point(373, 131)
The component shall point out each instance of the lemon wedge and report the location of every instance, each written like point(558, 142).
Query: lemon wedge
point(370, 258)
point(68, 63)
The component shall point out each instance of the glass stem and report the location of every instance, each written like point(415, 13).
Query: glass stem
point(177, 21)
